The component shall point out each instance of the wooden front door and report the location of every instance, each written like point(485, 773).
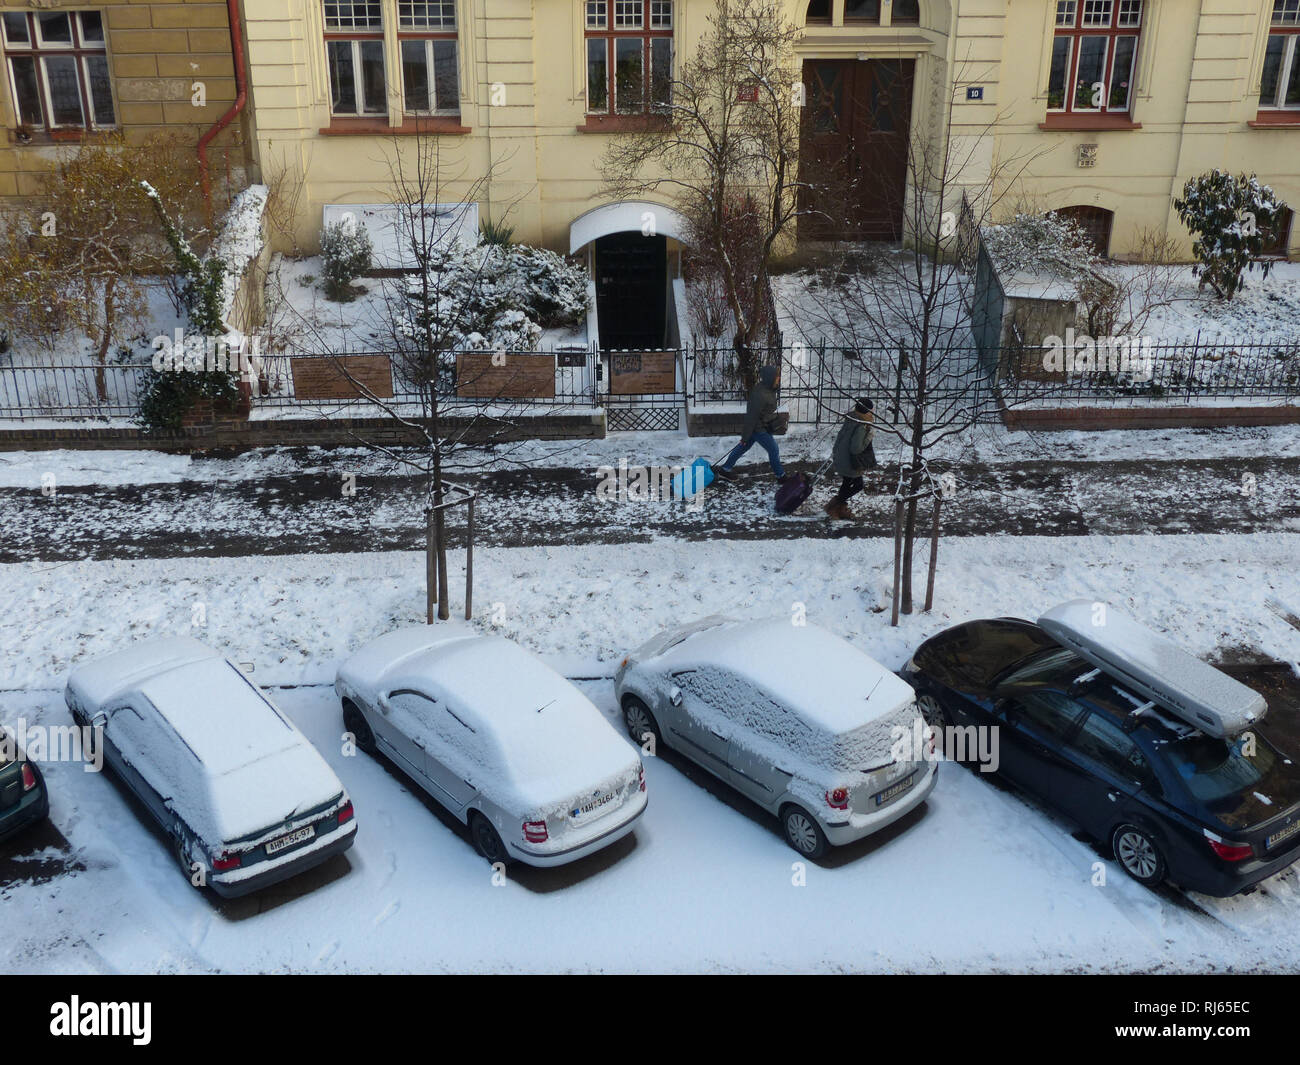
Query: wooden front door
point(853, 148)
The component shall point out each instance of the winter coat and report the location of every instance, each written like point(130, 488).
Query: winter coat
point(852, 455)
point(760, 411)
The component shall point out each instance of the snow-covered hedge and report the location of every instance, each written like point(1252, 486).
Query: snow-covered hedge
point(1230, 218)
point(491, 296)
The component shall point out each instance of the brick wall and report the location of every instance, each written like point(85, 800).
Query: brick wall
point(240, 435)
point(157, 52)
point(1099, 418)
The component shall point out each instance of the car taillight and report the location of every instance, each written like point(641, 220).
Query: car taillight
point(345, 813)
point(933, 738)
point(29, 776)
point(838, 798)
point(1231, 852)
point(641, 777)
point(225, 862)
point(535, 831)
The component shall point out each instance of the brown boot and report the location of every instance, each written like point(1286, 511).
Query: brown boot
point(839, 510)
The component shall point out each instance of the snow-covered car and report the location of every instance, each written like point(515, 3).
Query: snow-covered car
point(812, 729)
point(244, 798)
point(497, 737)
point(1151, 751)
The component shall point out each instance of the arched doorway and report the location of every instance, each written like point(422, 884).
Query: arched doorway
point(1096, 222)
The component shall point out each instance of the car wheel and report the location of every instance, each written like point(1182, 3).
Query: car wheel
point(355, 723)
point(487, 841)
point(639, 721)
point(935, 713)
point(1137, 852)
point(802, 832)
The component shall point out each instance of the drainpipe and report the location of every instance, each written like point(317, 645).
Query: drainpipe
point(241, 99)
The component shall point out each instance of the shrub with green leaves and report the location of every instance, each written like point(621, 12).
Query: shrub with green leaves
point(1231, 219)
point(346, 253)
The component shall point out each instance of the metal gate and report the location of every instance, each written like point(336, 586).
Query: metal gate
point(644, 391)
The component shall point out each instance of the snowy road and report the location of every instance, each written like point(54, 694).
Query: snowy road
point(292, 512)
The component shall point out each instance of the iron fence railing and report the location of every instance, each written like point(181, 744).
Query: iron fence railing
point(30, 392)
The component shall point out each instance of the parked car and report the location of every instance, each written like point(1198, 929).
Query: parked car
point(240, 792)
point(794, 717)
point(498, 738)
point(23, 798)
point(1129, 736)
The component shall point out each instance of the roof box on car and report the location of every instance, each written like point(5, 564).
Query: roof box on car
point(1155, 667)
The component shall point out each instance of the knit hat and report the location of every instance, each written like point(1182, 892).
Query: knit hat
point(863, 405)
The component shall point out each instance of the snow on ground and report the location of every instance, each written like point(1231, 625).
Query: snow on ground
point(705, 883)
point(584, 607)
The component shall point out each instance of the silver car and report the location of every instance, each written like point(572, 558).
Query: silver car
point(813, 730)
point(498, 738)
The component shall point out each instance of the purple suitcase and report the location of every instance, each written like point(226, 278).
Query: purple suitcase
point(791, 495)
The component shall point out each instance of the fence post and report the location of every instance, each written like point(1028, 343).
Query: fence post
point(898, 384)
point(1191, 371)
point(898, 557)
point(821, 377)
point(469, 562)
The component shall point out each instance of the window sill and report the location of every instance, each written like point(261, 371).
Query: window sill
point(1088, 123)
point(440, 125)
point(623, 123)
point(62, 135)
point(1276, 120)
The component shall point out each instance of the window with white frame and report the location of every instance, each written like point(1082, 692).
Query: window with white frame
point(430, 74)
point(354, 52)
point(1279, 87)
point(57, 65)
point(629, 55)
point(1094, 56)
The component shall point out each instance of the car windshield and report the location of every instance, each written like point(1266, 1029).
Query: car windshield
point(1048, 666)
point(1214, 769)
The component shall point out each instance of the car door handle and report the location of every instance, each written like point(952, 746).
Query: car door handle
point(718, 734)
point(418, 744)
point(1113, 796)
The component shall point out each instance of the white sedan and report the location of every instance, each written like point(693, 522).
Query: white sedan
point(498, 738)
point(243, 796)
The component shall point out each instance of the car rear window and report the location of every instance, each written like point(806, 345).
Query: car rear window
point(1214, 769)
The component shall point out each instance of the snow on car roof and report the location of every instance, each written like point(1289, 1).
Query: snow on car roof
point(98, 683)
point(832, 684)
point(219, 714)
point(387, 655)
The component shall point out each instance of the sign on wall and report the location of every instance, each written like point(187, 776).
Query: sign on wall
point(633, 373)
point(342, 377)
point(491, 375)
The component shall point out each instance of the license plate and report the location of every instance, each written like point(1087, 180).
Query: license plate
point(1281, 834)
point(896, 790)
point(595, 804)
point(284, 842)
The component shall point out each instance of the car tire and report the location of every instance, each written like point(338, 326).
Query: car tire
point(639, 720)
point(1138, 855)
point(355, 722)
point(486, 839)
point(935, 713)
point(802, 832)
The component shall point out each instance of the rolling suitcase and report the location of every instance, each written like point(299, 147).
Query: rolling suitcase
point(791, 495)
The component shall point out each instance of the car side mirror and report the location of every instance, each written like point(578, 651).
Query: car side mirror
point(1006, 707)
point(99, 721)
point(675, 696)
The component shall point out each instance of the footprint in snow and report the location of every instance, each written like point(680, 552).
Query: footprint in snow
point(387, 912)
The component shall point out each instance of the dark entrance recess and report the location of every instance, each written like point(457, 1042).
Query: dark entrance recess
point(631, 290)
point(1096, 222)
point(853, 145)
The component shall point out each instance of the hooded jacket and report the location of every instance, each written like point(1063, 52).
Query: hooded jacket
point(852, 455)
point(760, 411)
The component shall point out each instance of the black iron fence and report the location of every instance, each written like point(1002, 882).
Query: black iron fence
point(31, 392)
point(819, 382)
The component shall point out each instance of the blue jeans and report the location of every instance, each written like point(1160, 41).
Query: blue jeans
point(767, 442)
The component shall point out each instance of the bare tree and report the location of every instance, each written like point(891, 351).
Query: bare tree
point(459, 399)
point(898, 319)
point(722, 141)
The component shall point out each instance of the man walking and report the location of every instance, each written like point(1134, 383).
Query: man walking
point(851, 457)
point(760, 422)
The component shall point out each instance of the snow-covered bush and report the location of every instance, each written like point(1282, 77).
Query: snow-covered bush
point(491, 296)
point(1046, 244)
point(1231, 219)
point(346, 253)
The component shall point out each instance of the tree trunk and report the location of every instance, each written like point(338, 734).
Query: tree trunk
point(430, 563)
point(105, 339)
